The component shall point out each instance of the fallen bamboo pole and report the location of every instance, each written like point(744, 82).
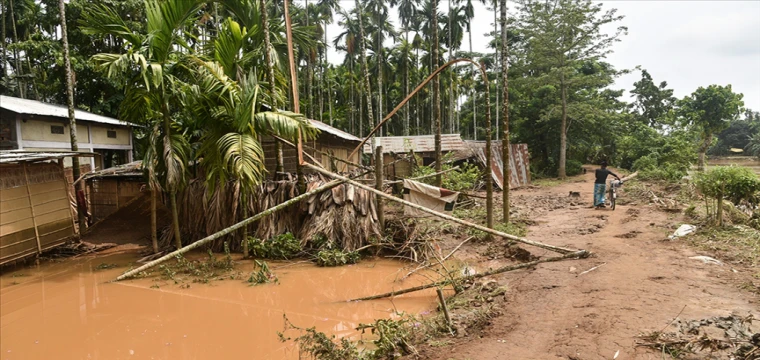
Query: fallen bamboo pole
point(577, 254)
point(228, 230)
point(558, 249)
point(423, 176)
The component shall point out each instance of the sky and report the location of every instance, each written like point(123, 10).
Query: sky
point(688, 44)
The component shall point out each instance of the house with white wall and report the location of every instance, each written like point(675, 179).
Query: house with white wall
point(36, 126)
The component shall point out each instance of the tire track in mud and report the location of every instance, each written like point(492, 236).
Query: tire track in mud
point(641, 282)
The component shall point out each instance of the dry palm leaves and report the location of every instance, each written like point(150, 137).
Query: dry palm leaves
point(346, 215)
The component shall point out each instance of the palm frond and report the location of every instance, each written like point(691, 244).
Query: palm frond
point(242, 156)
point(102, 20)
point(284, 124)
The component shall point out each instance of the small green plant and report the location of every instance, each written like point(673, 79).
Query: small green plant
point(461, 179)
point(336, 257)
point(394, 337)
point(263, 275)
point(320, 346)
point(732, 183)
point(280, 247)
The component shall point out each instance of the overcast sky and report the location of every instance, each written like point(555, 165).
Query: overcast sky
point(686, 43)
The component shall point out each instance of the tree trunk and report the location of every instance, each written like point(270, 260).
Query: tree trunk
point(279, 168)
point(19, 83)
point(451, 81)
point(417, 100)
point(379, 54)
point(379, 186)
point(489, 162)
point(563, 130)
point(407, 107)
point(76, 171)
point(4, 42)
point(720, 204)
point(496, 65)
point(702, 150)
point(436, 98)
point(367, 87)
point(244, 204)
point(474, 96)
point(175, 219)
point(153, 221)
point(505, 113)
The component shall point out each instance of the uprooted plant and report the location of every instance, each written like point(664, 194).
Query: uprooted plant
point(279, 247)
point(203, 270)
point(263, 275)
point(393, 339)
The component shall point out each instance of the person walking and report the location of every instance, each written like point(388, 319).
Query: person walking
point(600, 185)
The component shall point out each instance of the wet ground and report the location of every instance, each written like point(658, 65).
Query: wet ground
point(70, 310)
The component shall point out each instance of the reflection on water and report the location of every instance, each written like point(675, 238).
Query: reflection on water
point(68, 310)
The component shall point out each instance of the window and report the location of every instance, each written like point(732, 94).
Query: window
point(111, 134)
point(56, 129)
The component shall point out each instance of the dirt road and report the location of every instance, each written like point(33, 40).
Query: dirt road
point(641, 283)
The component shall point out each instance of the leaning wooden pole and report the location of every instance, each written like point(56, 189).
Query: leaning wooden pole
point(558, 249)
point(577, 254)
point(228, 230)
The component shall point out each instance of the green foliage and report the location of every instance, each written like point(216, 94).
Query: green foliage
point(462, 179)
point(513, 228)
point(263, 275)
point(336, 257)
point(281, 247)
point(730, 182)
point(393, 337)
point(573, 167)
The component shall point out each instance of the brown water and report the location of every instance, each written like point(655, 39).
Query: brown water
point(68, 310)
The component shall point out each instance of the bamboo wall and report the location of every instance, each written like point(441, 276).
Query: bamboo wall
point(325, 143)
point(35, 213)
point(107, 195)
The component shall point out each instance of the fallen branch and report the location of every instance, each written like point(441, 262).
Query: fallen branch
point(442, 260)
point(577, 254)
point(557, 249)
point(230, 229)
point(592, 269)
point(423, 176)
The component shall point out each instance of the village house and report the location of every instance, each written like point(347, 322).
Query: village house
point(36, 126)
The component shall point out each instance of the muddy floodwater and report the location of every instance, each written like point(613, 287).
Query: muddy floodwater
point(70, 310)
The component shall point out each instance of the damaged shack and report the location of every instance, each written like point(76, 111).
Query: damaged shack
point(36, 212)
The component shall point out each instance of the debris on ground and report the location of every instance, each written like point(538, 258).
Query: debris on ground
point(707, 260)
point(629, 235)
point(78, 248)
point(682, 231)
point(729, 337)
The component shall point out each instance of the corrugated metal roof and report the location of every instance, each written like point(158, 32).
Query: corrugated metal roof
point(14, 156)
point(333, 131)
point(33, 107)
point(420, 143)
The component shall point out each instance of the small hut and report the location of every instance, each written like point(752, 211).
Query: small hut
point(35, 205)
point(423, 146)
point(111, 189)
point(334, 142)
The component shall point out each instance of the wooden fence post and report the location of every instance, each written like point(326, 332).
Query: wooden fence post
point(31, 206)
point(379, 186)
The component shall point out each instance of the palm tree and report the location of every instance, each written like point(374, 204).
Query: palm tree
point(505, 111)
point(70, 102)
point(160, 57)
point(436, 96)
point(407, 12)
point(363, 41)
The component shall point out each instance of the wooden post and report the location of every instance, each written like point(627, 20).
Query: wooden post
point(68, 200)
point(31, 206)
point(443, 306)
point(379, 186)
point(153, 221)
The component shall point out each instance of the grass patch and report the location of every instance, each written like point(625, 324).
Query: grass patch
point(336, 257)
point(739, 244)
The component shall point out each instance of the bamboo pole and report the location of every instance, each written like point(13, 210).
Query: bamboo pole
point(379, 186)
point(577, 254)
point(31, 207)
point(228, 230)
point(424, 176)
point(443, 306)
point(557, 249)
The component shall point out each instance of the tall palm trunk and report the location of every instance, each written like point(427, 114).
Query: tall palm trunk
point(280, 167)
point(563, 129)
point(406, 85)
point(72, 120)
point(418, 98)
point(505, 111)
point(451, 81)
point(4, 42)
point(20, 83)
point(367, 88)
point(436, 99)
point(328, 83)
point(496, 62)
point(472, 94)
point(379, 54)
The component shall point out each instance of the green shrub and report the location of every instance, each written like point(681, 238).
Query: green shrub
point(337, 257)
point(732, 183)
point(573, 167)
point(460, 179)
point(263, 275)
point(281, 247)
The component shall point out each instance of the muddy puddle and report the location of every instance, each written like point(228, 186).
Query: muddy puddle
point(69, 310)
